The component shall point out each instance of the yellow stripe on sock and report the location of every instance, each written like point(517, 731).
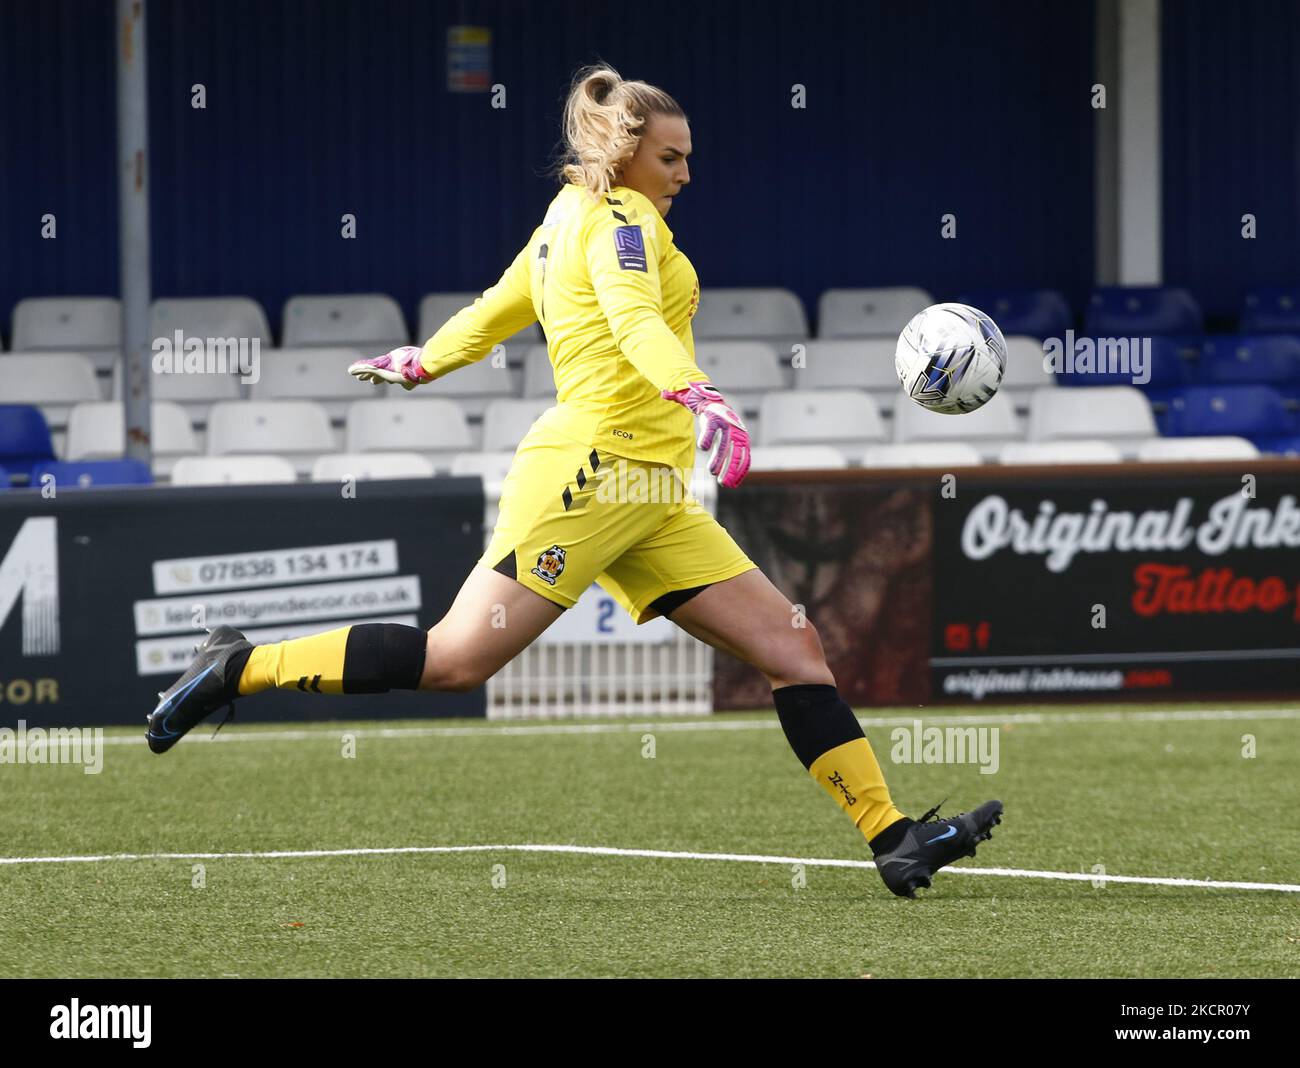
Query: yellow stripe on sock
point(313, 664)
point(850, 774)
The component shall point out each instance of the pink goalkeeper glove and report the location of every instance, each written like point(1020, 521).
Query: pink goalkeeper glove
point(401, 367)
point(720, 430)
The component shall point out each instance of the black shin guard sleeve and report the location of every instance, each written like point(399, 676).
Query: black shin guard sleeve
point(383, 656)
point(234, 668)
point(815, 719)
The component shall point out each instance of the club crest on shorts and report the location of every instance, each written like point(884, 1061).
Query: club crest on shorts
point(550, 565)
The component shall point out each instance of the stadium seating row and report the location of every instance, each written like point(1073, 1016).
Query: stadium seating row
point(745, 369)
point(849, 420)
point(374, 322)
point(493, 466)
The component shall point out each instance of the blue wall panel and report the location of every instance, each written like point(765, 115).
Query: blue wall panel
point(315, 109)
point(1231, 141)
point(57, 150)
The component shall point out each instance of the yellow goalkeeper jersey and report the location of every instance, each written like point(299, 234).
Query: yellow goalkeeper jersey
point(615, 298)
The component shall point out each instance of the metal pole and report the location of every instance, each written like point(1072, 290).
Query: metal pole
point(133, 223)
point(1106, 146)
point(1140, 204)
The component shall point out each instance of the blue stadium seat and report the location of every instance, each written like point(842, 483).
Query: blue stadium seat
point(1253, 412)
point(1169, 367)
point(1190, 350)
point(1271, 310)
point(1162, 399)
point(1039, 313)
point(1266, 359)
point(1128, 311)
point(1282, 445)
point(24, 438)
point(4, 480)
point(83, 473)
point(1290, 393)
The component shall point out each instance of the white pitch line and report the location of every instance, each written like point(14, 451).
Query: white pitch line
point(658, 854)
point(718, 723)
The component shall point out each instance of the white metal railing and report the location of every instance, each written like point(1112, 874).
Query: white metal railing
point(575, 679)
point(594, 661)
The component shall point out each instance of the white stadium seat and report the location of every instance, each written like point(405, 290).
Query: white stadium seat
point(1119, 414)
point(319, 375)
point(196, 393)
point(862, 363)
point(507, 421)
point(371, 322)
point(539, 375)
point(743, 370)
point(1060, 452)
point(847, 419)
point(53, 381)
point(869, 312)
point(91, 326)
point(370, 465)
point(204, 317)
point(987, 428)
point(97, 431)
point(1025, 371)
point(297, 430)
point(922, 454)
point(433, 427)
point(232, 471)
point(796, 458)
point(774, 315)
point(437, 308)
point(1162, 450)
point(475, 384)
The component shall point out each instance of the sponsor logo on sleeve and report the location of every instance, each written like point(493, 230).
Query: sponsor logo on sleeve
point(629, 243)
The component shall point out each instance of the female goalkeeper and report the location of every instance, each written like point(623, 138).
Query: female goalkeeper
point(615, 298)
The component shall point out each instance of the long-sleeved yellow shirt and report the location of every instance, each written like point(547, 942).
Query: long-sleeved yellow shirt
point(615, 298)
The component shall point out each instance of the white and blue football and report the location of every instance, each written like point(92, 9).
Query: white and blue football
point(950, 358)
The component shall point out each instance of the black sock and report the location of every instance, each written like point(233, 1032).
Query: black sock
point(888, 839)
point(383, 656)
point(235, 668)
point(828, 740)
point(815, 719)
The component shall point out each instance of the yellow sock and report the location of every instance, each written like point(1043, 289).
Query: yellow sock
point(850, 774)
point(363, 658)
point(313, 664)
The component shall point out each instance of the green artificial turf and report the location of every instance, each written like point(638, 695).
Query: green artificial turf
point(1141, 798)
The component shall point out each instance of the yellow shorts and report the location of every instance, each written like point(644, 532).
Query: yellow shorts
point(570, 516)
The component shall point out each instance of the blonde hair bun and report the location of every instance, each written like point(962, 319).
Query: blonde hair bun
point(604, 119)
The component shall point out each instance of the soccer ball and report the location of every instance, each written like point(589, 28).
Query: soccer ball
point(950, 358)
